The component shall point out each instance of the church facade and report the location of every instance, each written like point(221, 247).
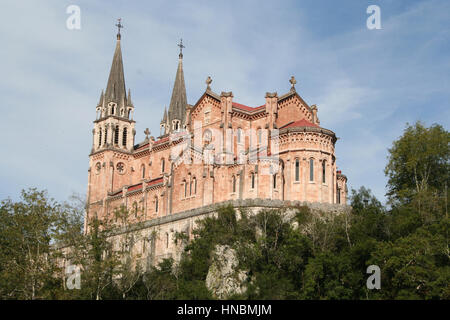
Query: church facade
point(212, 152)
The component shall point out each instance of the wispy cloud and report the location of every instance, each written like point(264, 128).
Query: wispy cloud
point(367, 84)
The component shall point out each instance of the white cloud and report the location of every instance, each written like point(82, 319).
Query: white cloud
point(367, 84)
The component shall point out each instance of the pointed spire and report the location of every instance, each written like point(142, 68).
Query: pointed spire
point(100, 102)
point(115, 89)
point(129, 98)
point(164, 119)
point(178, 102)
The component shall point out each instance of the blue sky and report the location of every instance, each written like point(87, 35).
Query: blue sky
point(366, 83)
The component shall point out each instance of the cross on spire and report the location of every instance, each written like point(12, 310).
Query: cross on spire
point(181, 48)
point(119, 26)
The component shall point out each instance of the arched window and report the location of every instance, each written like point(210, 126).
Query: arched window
point(297, 169)
point(100, 137)
point(124, 137)
point(195, 185)
point(185, 188)
point(239, 135)
point(253, 180)
point(311, 169)
point(175, 125)
point(116, 135)
point(275, 181)
point(190, 188)
point(113, 109)
point(143, 171)
point(234, 183)
point(323, 171)
point(106, 135)
point(129, 113)
point(156, 204)
point(163, 163)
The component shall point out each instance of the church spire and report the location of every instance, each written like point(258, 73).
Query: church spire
point(178, 102)
point(164, 119)
point(115, 89)
point(114, 127)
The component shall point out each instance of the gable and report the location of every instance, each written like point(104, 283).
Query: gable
point(293, 108)
point(207, 110)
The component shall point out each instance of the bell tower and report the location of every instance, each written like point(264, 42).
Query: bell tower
point(174, 119)
point(114, 124)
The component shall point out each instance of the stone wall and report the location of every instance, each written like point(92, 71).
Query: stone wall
point(153, 240)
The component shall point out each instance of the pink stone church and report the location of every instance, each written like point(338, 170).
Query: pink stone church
point(213, 152)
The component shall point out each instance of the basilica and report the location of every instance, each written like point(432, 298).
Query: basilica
point(213, 152)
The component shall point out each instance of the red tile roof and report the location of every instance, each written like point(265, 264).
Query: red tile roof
point(161, 140)
point(300, 123)
point(142, 146)
point(246, 108)
point(135, 187)
point(155, 181)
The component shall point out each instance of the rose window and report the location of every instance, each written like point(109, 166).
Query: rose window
point(120, 167)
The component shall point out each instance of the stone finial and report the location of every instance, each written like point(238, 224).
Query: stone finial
point(293, 83)
point(314, 112)
point(226, 94)
point(147, 133)
point(208, 83)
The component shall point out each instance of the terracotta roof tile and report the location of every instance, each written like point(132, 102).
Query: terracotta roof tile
point(300, 123)
point(155, 181)
point(135, 187)
point(246, 108)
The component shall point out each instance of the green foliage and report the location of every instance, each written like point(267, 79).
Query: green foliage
point(418, 161)
point(27, 262)
point(283, 254)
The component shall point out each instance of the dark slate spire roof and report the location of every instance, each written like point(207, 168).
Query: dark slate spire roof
point(178, 102)
point(115, 89)
point(129, 98)
point(164, 119)
point(101, 99)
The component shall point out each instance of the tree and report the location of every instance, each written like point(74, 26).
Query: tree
point(28, 265)
point(418, 161)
